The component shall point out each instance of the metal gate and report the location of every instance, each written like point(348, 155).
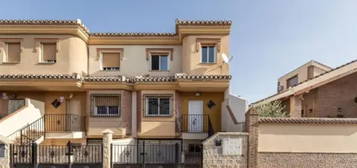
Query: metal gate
point(148, 155)
point(66, 156)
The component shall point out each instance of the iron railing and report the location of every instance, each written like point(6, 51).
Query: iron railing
point(70, 155)
point(64, 123)
point(29, 133)
point(195, 123)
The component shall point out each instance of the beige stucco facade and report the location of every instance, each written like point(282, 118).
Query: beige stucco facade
point(336, 138)
point(78, 74)
point(71, 55)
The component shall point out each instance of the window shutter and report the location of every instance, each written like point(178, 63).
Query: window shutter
point(107, 100)
point(111, 59)
point(49, 51)
point(13, 50)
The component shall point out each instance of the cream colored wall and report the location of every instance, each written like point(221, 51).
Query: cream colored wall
point(119, 125)
point(191, 59)
point(134, 59)
point(335, 138)
point(71, 56)
point(158, 126)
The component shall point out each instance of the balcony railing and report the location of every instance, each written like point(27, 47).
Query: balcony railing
point(64, 123)
point(195, 123)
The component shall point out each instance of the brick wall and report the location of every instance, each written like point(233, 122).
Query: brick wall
point(234, 157)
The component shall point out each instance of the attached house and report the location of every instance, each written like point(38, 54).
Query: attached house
point(60, 82)
point(316, 90)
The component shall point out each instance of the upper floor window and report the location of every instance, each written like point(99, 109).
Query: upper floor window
point(49, 51)
point(106, 105)
point(111, 61)
point(158, 106)
point(160, 62)
point(13, 52)
point(293, 81)
point(208, 54)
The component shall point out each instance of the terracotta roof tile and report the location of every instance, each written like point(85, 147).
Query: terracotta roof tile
point(308, 120)
point(131, 34)
point(105, 79)
point(44, 22)
point(203, 22)
point(38, 76)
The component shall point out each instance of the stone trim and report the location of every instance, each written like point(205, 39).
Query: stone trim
point(150, 51)
point(308, 120)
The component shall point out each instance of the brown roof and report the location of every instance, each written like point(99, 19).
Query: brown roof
point(308, 120)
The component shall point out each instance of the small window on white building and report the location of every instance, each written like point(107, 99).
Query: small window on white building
point(208, 54)
point(106, 105)
point(111, 61)
point(159, 62)
point(158, 106)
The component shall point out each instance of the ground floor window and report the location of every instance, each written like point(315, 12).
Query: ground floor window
point(158, 105)
point(106, 105)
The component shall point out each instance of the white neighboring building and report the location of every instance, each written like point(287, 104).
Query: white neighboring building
point(233, 113)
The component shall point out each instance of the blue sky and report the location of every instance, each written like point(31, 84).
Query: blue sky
point(269, 37)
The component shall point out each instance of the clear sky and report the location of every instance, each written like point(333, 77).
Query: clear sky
point(269, 37)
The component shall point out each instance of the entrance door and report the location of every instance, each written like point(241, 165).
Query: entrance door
point(195, 117)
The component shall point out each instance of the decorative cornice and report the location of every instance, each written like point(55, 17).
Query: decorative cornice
point(168, 51)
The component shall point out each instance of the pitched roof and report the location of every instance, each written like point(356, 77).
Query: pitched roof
point(308, 120)
point(326, 77)
point(115, 34)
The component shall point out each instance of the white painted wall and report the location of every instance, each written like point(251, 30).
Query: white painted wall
point(32, 111)
point(238, 107)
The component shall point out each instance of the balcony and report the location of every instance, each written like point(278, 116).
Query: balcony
point(64, 126)
point(195, 126)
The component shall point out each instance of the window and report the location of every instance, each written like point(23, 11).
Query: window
point(292, 81)
point(159, 62)
point(157, 106)
point(49, 51)
point(106, 105)
point(208, 54)
point(111, 61)
point(2, 150)
point(13, 52)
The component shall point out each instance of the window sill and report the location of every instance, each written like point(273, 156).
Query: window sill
point(159, 70)
point(46, 63)
point(160, 116)
point(105, 116)
point(10, 62)
point(208, 63)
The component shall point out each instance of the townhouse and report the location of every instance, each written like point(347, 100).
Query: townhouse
point(59, 82)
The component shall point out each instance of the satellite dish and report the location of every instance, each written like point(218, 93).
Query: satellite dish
point(226, 59)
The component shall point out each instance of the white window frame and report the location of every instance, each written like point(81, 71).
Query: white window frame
point(157, 115)
point(95, 109)
point(214, 56)
point(160, 55)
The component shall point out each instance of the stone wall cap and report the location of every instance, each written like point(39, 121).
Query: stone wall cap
point(271, 120)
